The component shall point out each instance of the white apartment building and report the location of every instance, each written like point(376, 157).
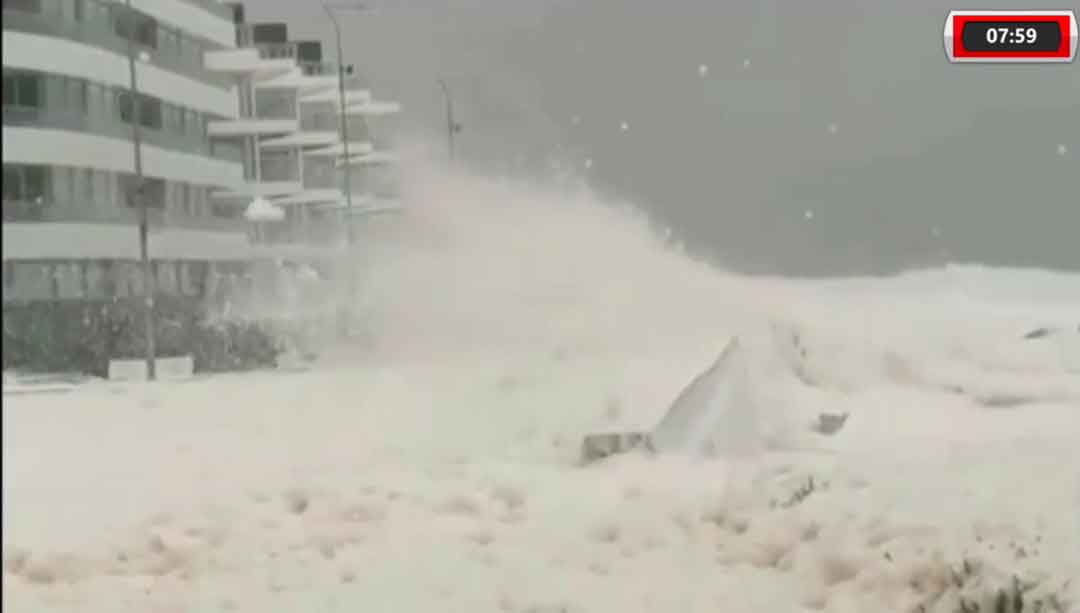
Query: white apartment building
point(235, 120)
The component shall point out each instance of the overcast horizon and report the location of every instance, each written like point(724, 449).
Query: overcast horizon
point(778, 137)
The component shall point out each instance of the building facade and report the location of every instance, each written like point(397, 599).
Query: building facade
point(235, 119)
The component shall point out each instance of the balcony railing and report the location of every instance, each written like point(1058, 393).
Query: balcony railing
point(216, 9)
point(276, 51)
point(74, 121)
point(320, 122)
point(173, 50)
point(275, 104)
point(283, 168)
point(21, 211)
point(315, 233)
point(319, 69)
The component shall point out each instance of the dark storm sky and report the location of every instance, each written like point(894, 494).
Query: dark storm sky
point(847, 109)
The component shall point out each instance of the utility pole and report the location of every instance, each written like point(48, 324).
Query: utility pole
point(452, 127)
point(136, 198)
point(343, 126)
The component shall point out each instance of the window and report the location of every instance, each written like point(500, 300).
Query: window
point(224, 211)
point(318, 173)
point(26, 183)
point(68, 279)
point(12, 182)
point(69, 10)
point(192, 122)
point(83, 187)
point(193, 278)
point(125, 279)
point(61, 185)
point(170, 41)
point(174, 118)
point(150, 114)
point(29, 6)
point(23, 89)
point(183, 197)
point(124, 109)
point(198, 197)
point(75, 94)
point(146, 31)
point(96, 275)
point(275, 104)
point(10, 95)
point(109, 194)
point(152, 191)
point(279, 166)
point(141, 28)
point(94, 105)
point(165, 277)
point(100, 188)
point(32, 281)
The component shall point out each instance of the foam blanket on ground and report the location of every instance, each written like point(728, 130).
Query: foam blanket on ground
point(437, 471)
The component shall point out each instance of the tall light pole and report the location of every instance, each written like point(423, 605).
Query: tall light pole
point(136, 198)
point(343, 127)
point(452, 127)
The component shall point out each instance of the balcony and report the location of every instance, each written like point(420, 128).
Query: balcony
point(251, 127)
point(279, 175)
point(247, 61)
point(337, 150)
point(323, 237)
point(279, 166)
point(169, 49)
point(353, 97)
point(213, 7)
point(307, 83)
point(316, 130)
point(373, 158)
point(75, 121)
point(263, 189)
point(276, 51)
point(363, 205)
point(374, 109)
point(300, 139)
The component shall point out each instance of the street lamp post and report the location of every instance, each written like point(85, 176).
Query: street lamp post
point(136, 198)
point(452, 127)
point(343, 127)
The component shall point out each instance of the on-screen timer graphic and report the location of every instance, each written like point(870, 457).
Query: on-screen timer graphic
point(1011, 36)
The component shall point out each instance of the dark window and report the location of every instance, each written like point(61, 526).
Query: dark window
point(10, 91)
point(12, 182)
point(174, 119)
point(270, 33)
point(166, 277)
point(143, 29)
point(26, 191)
point(32, 281)
point(309, 51)
point(68, 281)
point(150, 113)
point(23, 89)
point(24, 182)
point(96, 274)
point(123, 106)
point(152, 192)
point(30, 6)
point(224, 211)
point(76, 94)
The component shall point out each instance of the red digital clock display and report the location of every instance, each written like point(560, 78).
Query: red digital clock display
point(1011, 36)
